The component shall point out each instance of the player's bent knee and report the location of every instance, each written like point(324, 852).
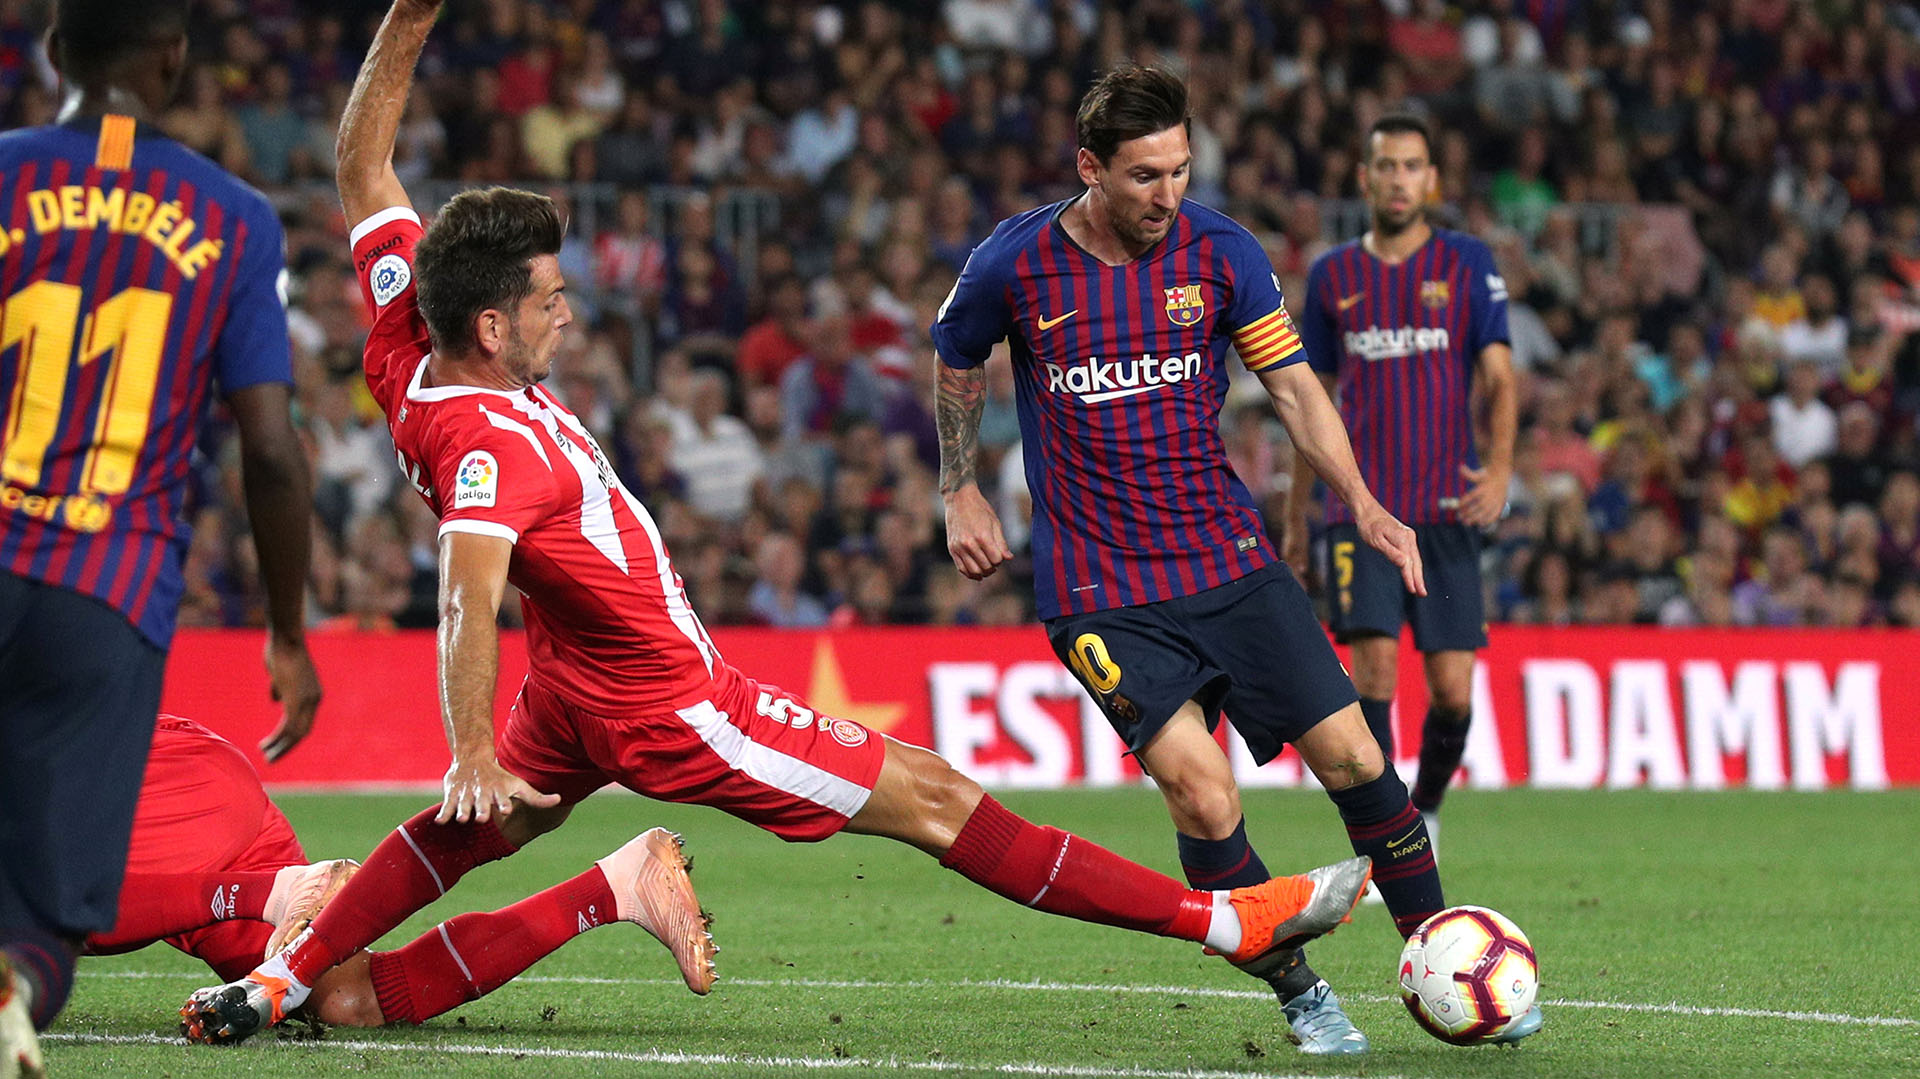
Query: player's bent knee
point(1341, 750)
point(1348, 771)
point(919, 799)
point(527, 823)
point(943, 792)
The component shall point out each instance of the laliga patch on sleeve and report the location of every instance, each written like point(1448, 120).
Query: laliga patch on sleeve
point(477, 483)
point(389, 277)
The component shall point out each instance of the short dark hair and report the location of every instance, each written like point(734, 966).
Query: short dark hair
point(1130, 102)
point(1398, 123)
point(95, 33)
point(474, 258)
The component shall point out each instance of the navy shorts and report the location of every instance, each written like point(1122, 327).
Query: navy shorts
point(79, 691)
point(1251, 645)
point(1369, 598)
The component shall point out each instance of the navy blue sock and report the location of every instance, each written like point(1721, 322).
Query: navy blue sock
point(1443, 740)
point(1383, 825)
point(46, 962)
point(1219, 864)
point(1379, 715)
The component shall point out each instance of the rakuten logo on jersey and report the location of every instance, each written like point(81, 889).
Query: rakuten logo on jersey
point(1096, 380)
point(1374, 343)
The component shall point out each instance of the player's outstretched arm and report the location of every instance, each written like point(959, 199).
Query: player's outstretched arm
point(473, 580)
point(273, 471)
point(974, 538)
point(371, 121)
point(1317, 433)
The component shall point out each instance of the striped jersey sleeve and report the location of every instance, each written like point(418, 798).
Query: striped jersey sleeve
point(976, 314)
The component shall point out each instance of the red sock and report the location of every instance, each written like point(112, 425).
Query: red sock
point(1060, 873)
point(154, 906)
point(409, 869)
point(469, 956)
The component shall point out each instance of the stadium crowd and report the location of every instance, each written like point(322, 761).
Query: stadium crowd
point(1707, 214)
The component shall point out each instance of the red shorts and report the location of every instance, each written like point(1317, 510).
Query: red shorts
point(202, 810)
point(750, 749)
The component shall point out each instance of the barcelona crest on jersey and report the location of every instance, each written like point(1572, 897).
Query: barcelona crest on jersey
point(1185, 304)
point(1436, 294)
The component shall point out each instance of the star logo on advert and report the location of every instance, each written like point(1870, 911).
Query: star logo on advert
point(827, 692)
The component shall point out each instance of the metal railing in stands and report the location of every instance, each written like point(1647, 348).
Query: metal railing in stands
point(1598, 222)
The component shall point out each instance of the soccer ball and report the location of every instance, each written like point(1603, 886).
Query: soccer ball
point(1467, 973)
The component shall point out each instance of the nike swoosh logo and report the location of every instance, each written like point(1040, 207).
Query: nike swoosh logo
point(1049, 323)
point(1391, 843)
point(1347, 303)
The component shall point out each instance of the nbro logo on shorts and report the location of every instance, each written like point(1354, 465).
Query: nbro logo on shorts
point(477, 483)
point(389, 278)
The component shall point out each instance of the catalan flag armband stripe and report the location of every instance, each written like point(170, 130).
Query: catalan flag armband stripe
point(1267, 341)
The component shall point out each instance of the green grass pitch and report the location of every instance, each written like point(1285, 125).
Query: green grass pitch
point(1679, 935)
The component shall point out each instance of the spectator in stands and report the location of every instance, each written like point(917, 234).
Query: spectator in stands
point(549, 130)
point(274, 131)
point(1900, 526)
point(630, 260)
point(829, 382)
point(776, 598)
point(1857, 470)
point(1784, 593)
point(772, 344)
point(1804, 428)
point(716, 453)
point(1764, 488)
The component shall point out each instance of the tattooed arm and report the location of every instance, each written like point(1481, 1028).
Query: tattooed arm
point(974, 538)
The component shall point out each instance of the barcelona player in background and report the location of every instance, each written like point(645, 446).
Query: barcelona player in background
point(1156, 578)
point(135, 278)
point(1401, 323)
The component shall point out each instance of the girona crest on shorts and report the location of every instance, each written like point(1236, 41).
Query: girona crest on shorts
point(1185, 304)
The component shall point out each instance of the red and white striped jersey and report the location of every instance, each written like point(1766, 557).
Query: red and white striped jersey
point(609, 628)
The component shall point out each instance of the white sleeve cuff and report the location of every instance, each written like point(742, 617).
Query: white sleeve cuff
point(390, 214)
point(479, 528)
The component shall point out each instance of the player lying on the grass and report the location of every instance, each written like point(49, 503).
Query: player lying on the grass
point(623, 683)
point(216, 871)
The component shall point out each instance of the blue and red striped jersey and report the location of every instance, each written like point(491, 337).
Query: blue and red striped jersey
point(1121, 373)
point(1403, 341)
point(133, 273)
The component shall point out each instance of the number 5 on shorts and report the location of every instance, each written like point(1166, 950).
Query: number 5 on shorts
point(1343, 573)
point(1089, 660)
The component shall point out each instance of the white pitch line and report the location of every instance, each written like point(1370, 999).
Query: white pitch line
point(1837, 1018)
point(666, 1057)
point(1742, 1013)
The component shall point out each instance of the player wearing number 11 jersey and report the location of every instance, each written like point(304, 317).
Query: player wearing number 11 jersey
point(623, 684)
point(136, 278)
